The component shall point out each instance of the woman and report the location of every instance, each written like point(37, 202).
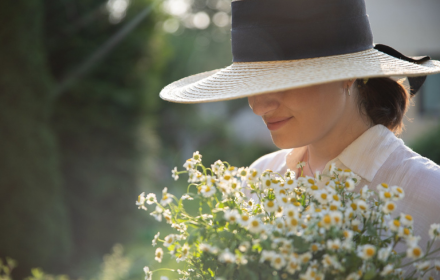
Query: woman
point(326, 93)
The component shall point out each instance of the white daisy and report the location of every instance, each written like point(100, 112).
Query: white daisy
point(166, 198)
point(278, 261)
point(334, 245)
point(414, 252)
point(253, 175)
point(267, 256)
point(232, 216)
point(183, 253)
point(244, 219)
point(366, 251)
point(434, 231)
point(398, 192)
point(243, 172)
point(154, 241)
point(255, 225)
point(421, 266)
point(141, 201)
point(174, 174)
point(208, 191)
point(226, 257)
point(406, 220)
point(389, 207)
point(365, 192)
point(322, 196)
point(293, 265)
point(151, 198)
point(383, 187)
point(190, 164)
point(349, 185)
point(387, 270)
point(197, 157)
point(148, 273)
point(169, 240)
point(270, 205)
point(157, 214)
point(384, 253)
point(186, 197)
point(159, 254)
point(394, 225)
point(244, 246)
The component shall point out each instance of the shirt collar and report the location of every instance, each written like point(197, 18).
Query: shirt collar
point(365, 155)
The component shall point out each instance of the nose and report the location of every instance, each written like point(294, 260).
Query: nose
point(263, 104)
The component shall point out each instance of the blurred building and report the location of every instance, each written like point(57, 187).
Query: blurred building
point(413, 28)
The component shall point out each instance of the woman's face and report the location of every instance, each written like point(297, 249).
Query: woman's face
point(302, 116)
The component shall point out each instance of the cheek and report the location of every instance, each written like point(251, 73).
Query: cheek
point(314, 115)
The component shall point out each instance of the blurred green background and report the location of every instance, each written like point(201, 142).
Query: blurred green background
point(83, 130)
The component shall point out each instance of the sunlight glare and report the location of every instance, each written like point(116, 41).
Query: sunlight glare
point(117, 10)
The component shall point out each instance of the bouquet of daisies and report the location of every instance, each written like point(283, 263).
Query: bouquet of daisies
point(253, 225)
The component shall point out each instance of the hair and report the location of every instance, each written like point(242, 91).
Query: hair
point(384, 101)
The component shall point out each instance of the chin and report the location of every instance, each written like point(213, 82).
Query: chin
point(284, 142)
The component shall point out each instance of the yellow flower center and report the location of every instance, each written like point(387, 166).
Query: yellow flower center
point(390, 206)
point(417, 252)
point(327, 219)
point(255, 223)
point(406, 231)
point(354, 206)
point(396, 223)
point(245, 218)
point(370, 252)
point(314, 247)
point(314, 187)
point(290, 182)
point(408, 217)
point(268, 183)
point(333, 207)
point(387, 195)
point(207, 189)
point(294, 222)
point(311, 181)
point(385, 186)
point(324, 196)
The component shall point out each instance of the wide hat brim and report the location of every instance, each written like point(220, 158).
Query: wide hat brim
point(243, 79)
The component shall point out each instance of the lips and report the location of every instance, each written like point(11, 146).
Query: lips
point(276, 123)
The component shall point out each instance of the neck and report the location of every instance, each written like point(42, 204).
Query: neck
point(334, 142)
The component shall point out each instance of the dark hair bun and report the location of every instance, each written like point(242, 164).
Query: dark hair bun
point(384, 101)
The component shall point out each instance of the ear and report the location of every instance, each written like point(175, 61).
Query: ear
point(349, 83)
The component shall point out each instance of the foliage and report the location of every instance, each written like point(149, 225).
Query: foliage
point(34, 224)
point(301, 227)
point(429, 145)
point(115, 266)
point(100, 118)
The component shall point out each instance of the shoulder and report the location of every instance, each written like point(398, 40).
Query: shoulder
point(418, 175)
point(274, 161)
point(411, 163)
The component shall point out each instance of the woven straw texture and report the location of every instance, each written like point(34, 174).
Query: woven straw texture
point(250, 78)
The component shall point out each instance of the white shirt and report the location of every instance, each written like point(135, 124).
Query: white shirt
point(378, 156)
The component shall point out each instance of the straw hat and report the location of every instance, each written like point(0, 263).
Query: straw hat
point(285, 44)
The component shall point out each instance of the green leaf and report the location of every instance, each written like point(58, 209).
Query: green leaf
point(370, 273)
